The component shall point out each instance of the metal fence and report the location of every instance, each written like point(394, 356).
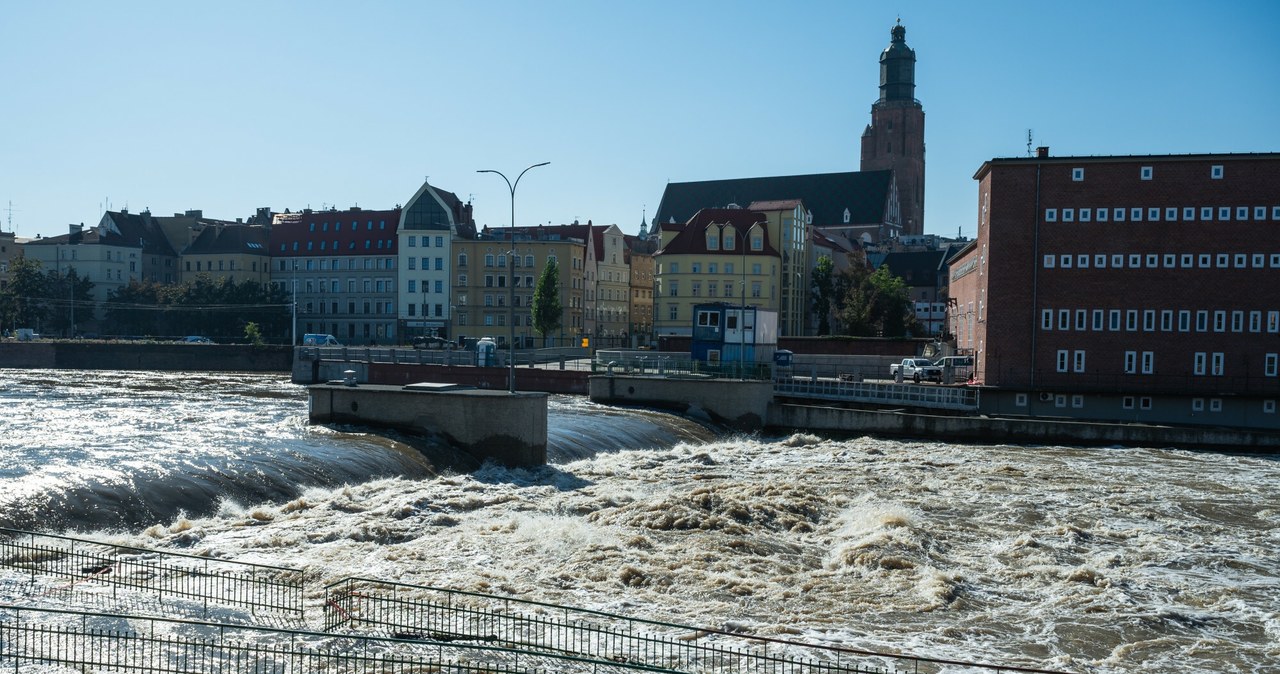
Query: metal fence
point(65, 569)
point(83, 642)
point(912, 395)
point(409, 611)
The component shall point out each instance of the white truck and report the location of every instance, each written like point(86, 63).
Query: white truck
point(917, 370)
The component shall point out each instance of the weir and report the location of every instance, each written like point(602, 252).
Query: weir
point(508, 428)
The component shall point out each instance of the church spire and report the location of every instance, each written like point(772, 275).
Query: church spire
point(898, 67)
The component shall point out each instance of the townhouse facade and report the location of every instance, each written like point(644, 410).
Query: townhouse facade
point(612, 287)
point(718, 255)
point(640, 306)
point(341, 268)
point(430, 223)
point(1126, 288)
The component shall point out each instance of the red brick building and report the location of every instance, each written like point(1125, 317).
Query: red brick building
point(1133, 288)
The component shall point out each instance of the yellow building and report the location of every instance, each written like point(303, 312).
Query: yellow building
point(788, 225)
point(493, 299)
point(233, 251)
point(719, 255)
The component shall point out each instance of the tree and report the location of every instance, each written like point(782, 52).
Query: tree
point(877, 304)
point(546, 300)
point(253, 334)
point(824, 285)
point(24, 299)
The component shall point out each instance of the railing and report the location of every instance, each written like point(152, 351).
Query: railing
point(453, 616)
point(676, 364)
point(914, 395)
point(140, 580)
point(121, 642)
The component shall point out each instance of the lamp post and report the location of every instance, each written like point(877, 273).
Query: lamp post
point(511, 274)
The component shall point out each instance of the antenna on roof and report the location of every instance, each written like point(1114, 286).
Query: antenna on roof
point(1029, 142)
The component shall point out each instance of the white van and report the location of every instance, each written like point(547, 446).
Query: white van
point(320, 340)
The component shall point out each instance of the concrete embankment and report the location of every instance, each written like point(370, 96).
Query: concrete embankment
point(160, 356)
point(1014, 431)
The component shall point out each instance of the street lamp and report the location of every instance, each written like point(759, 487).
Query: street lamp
point(511, 274)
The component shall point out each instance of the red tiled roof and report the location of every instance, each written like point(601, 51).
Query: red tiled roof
point(691, 239)
point(335, 233)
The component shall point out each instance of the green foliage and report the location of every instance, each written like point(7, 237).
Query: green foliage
point(546, 300)
point(824, 293)
point(874, 304)
point(214, 307)
point(253, 334)
point(46, 300)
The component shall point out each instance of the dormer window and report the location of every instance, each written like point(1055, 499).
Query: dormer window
point(713, 239)
point(847, 216)
point(728, 234)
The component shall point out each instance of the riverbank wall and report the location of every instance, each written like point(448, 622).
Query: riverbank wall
point(159, 356)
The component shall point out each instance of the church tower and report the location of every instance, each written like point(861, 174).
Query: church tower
point(895, 137)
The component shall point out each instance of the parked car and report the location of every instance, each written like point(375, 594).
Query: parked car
point(197, 339)
point(320, 340)
point(961, 366)
point(432, 343)
point(917, 370)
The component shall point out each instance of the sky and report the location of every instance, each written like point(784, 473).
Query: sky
point(233, 105)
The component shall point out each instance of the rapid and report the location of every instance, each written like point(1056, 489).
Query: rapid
point(1099, 560)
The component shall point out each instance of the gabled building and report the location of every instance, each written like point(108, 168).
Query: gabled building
point(640, 306)
point(613, 286)
point(718, 255)
point(859, 204)
point(429, 225)
point(788, 224)
point(232, 251)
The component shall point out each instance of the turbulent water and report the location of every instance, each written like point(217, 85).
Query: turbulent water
point(1106, 560)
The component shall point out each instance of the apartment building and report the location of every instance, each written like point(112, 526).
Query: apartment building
point(1126, 288)
point(429, 225)
point(341, 268)
point(641, 289)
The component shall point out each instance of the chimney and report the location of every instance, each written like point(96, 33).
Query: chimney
point(1042, 152)
point(75, 229)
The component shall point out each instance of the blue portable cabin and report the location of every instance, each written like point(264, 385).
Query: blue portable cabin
point(731, 333)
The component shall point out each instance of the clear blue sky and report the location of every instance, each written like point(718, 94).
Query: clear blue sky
point(227, 106)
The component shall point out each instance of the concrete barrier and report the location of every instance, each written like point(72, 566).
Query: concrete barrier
point(510, 429)
point(737, 404)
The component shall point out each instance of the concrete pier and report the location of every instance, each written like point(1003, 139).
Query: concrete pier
point(510, 429)
point(737, 404)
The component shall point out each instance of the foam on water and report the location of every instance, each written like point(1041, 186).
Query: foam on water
point(1109, 560)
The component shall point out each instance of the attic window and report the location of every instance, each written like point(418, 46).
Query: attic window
point(847, 216)
point(713, 240)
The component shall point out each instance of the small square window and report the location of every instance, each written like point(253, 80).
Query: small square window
point(1135, 214)
point(1085, 214)
point(1197, 404)
point(1102, 214)
point(1082, 261)
point(1119, 214)
point(1224, 213)
point(1170, 214)
point(1216, 172)
point(1259, 261)
point(1135, 261)
point(1224, 260)
point(1275, 260)
point(1145, 403)
point(1060, 400)
point(1189, 213)
point(1077, 174)
point(1100, 261)
point(1242, 212)
point(1215, 404)
point(1146, 173)
point(1050, 261)
point(1206, 213)
point(1065, 261)
point(1117, 261)
point(1170, 260)
point(1153, 261)
point(1020, 400)
point(1205, 260)
point(1127, 403)
point(1241, 260)
point(1153, 214)
point(1268, 407)
point(1188, 260)
point(1259, 212)
point(1077, 401)
point(1050, 215)
point(1068, 215)
point(1275, 212)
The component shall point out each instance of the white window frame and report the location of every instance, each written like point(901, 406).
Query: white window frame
point(1199, 362)
point(1166, 320)
point(1126, 402)
point(1271, 365)
point(1077, 361)
point(1050, 215)
point(1268, 407)
point(1189, 213)
point(1050, 261)
point(1170, 213)
point(1217, 363)
point(1131, 320)
point(1113, 320)
point(1130, 362)
point(1170, 260)
point(1237, 321)
point(1153, 215)
point(1117, 261)
point(1068, 215)
point(1082, 262)
point(1219, 320)
point(1148, 362)
point(1135, 261)
point(1082, 319)
point(1188, 260)
point(1215, 404)
point(1147, 173)
point(1135, 214)
point(1242, 212)
point(1077, 175)
point(1102, 214)
point(1118, 215)
point(1224, 213)
point(1064, 357)
point(1099, 320)
point(1100, 261)
point(1215, 172)
point(1086, 214)
point(1197, 404)
point(1184, 320)
point(1065, 261)
point(1259, 261)
point(1064, 319)
point(1255, 321)
point(1077, 401)
point(1259, 212)
point(1046, 319)
point(1206, 213)
point(1144, 402)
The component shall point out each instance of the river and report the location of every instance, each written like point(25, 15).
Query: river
point(1098, 559)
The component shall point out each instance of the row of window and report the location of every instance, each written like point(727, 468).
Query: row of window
point(335, 285)
point(426, 309)
point(426, 242)
point(1163, 320)
point(375, 308)
point(229, 264)
point(413, 286)
point(1168, 214)
point(500, 261)
point(1163, 260)
point(383, 330)
point(712, 268)
point(426, 263)
point(355, 225)
point(1144, 362)
point(351, 245)
point(673, 288)
point(1144, 402)
point(323, 264)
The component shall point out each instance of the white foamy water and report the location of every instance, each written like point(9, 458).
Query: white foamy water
point(1107, 560)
